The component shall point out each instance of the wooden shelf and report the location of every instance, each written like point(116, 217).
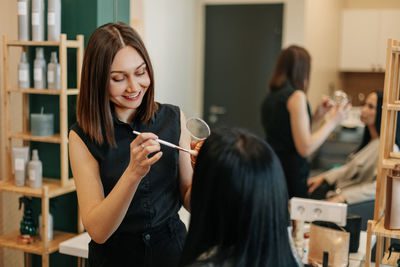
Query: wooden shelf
point(72, 91)
point(10, 240)
point(387, 159)
point(361, 71)
point(51, 187)
point(389, 163)
point(394, 155)
point(55, 188)
point(28, 137)
point(393, 107)
point(69, 43)
point(380, 230)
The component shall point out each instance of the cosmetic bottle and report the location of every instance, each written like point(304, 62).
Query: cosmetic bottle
point(53, 20)
point(39, 69)
point(23, 20)
point(20, 159)
point(37, 20)
point(53, 72)
point(50, 230)
point(35, 170)
point(23, 72)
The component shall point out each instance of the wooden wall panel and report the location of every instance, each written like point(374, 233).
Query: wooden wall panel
point(359, 84)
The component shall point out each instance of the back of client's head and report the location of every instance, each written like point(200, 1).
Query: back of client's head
point(239, 201)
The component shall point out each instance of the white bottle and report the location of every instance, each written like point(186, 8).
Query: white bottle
point(39, 69)
point(53, 20)
point(37, 20)
point(35, 170)
point(23, 20)
point(23, 72)
point(53, 72)
point(50, 231)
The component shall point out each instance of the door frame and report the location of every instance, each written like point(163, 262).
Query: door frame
point(292, 33)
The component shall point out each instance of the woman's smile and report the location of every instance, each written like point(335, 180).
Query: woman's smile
point(133, 97)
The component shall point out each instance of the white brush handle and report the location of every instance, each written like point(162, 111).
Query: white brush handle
point(191, 152)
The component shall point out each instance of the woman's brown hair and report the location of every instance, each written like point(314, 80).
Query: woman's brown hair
point(293, 65)
point(93, 107)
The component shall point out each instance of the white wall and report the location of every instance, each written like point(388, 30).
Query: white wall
point(174, 36)
point(169, 36)
point(322, 39)
point(173, 32)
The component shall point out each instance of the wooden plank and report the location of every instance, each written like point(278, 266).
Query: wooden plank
point(386, 136)
point(394, 155)
point(68, 43)
point(33, 43)
point(45, 260)
point(10, 240)
point(395, 107)
point(79, 61)
point(6, 99)
point(63, 112)
point(378, 254)
point(396, 48)
point(380, 230)
point(370, 226)
point(28, 137)
point(71, 91)
point(54, 188)
point(45, 218)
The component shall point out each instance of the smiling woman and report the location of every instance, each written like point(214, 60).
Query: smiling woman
point(129, 188)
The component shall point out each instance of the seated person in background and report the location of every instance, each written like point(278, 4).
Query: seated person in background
point(355, 181)
point(239, 205)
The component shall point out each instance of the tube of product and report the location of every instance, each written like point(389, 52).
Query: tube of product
point(20, 157)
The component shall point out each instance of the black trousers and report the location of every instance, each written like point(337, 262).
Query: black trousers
point(159, 247)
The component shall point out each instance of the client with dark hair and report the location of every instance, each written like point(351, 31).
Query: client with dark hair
point(239, 205)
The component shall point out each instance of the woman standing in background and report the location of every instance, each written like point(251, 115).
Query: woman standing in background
point(286, 117)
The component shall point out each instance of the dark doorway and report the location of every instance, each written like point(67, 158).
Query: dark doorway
point(241, 46)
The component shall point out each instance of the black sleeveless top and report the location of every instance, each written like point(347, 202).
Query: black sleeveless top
point(157, 197)
point(276, 122)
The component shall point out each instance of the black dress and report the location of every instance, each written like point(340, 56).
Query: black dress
point(151, 233)
point(276, 122)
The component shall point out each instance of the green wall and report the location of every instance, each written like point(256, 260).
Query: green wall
point(78, 17)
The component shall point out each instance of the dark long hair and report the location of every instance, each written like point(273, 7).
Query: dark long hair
point(293, 65)
point(239, 204)
point(378, 120)
point(93, 107)
point(367, 135)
